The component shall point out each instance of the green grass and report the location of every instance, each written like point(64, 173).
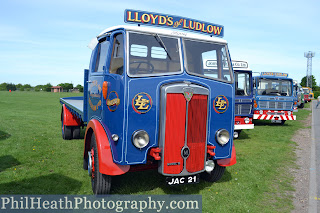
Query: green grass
point(36, 160)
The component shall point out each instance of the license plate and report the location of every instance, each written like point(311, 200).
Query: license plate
point(183, 180)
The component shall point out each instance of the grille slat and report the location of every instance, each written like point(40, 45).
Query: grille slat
point(243, 109)
point(275, 105)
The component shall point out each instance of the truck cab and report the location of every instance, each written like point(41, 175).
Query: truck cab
point(243, 97)
point(273, 97)
point(308, 94)
point(299, 96)
point(149, 103)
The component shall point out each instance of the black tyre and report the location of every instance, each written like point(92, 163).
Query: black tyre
point(301, 105)
point(66, 130)
point(76, 132)
point(282, 122)
point(100, 183)
point(215, 174)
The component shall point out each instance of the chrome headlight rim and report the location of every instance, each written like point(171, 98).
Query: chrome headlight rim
point(246, 120)
point(222, 136)
point(140, 138)
point(209, 166)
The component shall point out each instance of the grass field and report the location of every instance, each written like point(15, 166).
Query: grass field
point(36, 160)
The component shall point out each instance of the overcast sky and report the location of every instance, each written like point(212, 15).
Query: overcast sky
point(44, 41)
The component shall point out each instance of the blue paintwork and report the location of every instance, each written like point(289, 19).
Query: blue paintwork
point(258, 97)
point(245, 99)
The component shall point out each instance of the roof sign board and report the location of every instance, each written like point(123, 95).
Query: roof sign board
point(239, 64)
point(174, 22)
point(275, 74)
point(213, 64)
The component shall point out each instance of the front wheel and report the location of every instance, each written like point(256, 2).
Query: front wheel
point(215, 174)
point(100, 183)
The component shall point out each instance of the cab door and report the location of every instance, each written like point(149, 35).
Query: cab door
point(96, 78)
point(114, 112)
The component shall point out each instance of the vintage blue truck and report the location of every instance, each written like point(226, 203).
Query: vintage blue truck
point(244, 97)
point(149, 103)
point(273, 97)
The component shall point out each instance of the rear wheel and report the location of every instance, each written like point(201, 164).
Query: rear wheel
point(100, 183)
point(215, 174)
point(66, 130)
point(76, 132)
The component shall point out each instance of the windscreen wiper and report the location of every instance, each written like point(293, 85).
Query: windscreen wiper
point(157, 37)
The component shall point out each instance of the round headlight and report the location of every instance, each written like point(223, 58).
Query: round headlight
point(246, 120)
point(140, 139)
point(209, 166)
point(261, 112)
point(289, 113)
point(223, 136)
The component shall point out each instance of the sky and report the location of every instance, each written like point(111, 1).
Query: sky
point(44, 41)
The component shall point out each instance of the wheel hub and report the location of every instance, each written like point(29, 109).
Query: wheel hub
point(91, 163)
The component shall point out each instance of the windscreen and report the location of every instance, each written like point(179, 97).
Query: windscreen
point(209, 60)
point(153, 54)
point(243, 84)
point(275, 87)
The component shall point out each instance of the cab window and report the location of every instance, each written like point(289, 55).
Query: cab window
point(208, 59)
point(153, 55)
point(101, 55)
point(116, 65)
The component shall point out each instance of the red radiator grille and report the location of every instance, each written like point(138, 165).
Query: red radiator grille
point(197, 129)
point(175, 133)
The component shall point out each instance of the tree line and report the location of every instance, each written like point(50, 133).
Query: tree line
point(38, 88)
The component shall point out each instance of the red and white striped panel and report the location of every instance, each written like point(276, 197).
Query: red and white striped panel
point(266, 115)
point(239, 123)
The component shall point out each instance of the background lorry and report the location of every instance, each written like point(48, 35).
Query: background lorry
point(149, 104)
point(244, 97)
point(299, 96)
point(273, 97)
point(308, 94)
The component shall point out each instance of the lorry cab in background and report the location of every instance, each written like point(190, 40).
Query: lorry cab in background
point(299, 97)
point(243, 97)
point(308, 94)
point(149, 103)
point(273, 97)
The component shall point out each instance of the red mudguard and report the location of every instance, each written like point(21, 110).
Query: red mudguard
point(68, 118)
point(229, 161)
point(106, 164)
